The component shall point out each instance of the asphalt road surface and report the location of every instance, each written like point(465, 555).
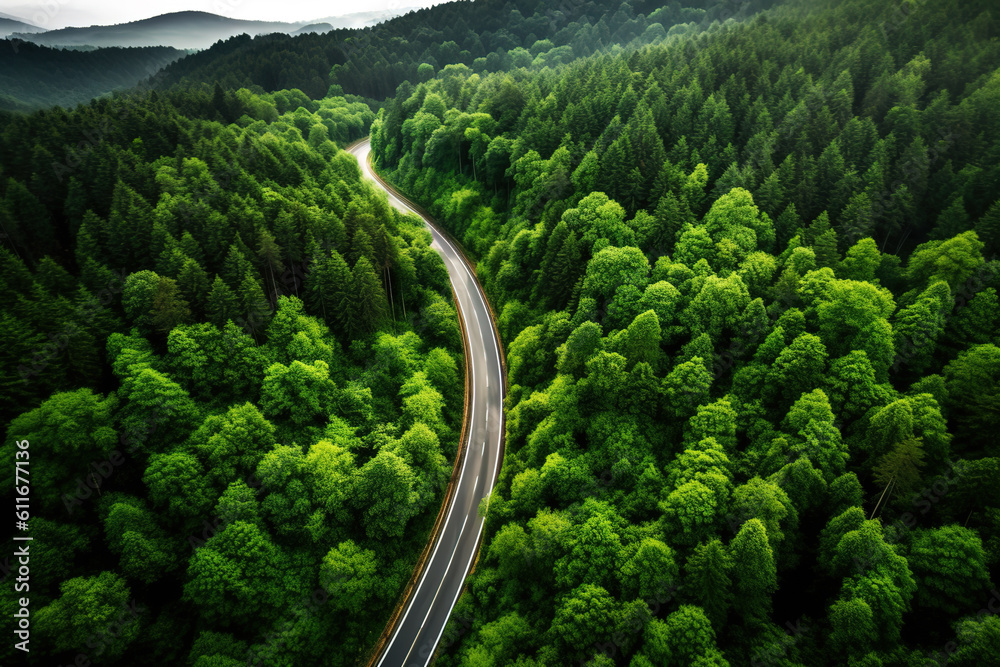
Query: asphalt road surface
point(420, 626)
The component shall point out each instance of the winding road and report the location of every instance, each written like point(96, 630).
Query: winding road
point(418, 628)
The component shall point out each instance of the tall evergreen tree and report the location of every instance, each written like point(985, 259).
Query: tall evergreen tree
point(223, 304)
point(371, 305)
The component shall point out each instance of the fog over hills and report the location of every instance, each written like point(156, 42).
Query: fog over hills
point(182, 30)
point(314, 27)
point(10, 24)
point(362, 19)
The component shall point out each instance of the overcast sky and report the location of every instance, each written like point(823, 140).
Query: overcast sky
point(52, 14)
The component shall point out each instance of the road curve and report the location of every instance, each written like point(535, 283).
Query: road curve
point(418, 629)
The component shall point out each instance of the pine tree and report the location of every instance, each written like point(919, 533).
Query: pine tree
point(222, 303)
point(171, 261)
point(918, 326)
point(668, 179)
point(552, 246)
point(386, 255)
point(952, 221)
point(563, 272)
point(194, 285)
point(361, 246)
point(988, 229)
point(770, 195)
point(823, 240)
point(634, 196)
point(15, 277)
point(370, 298)
point(254, 306)
point(169, 307)
point(648, 151)
point(191, 247)
point(698, 347)
point(86, 243)
point(287, 236)
point(330, 292)
point(900, 467)
point(671, 215)
point(269, 253)
point(244, 249)
point(235, 266)
point(344, 294)
point(75, 204)
point(708, 582)
point(31, 227)
point(755, 575)
point(318, 289)
point(615, 165)
point(160, 237)
point(830, 168)
point(54, 278)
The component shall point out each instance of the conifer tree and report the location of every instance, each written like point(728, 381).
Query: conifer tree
point(754, 574)
point(371, 304)
point(254, 306)
point(222, 303)
point(708, 582)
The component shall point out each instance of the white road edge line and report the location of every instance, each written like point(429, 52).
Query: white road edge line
point(438, 591)
point(427, 566)
point(482, 522)
point(496, 469)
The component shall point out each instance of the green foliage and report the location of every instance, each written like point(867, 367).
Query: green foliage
point(777, 311)
point(37, 76)
point(754, 572)
point(234, 575)
point(300, 392)
point(747, 291)
point(76, 428)
point(949, 566)
point(684, 638)
point(977, 640)
point(177, 481)
point(973, 387)
point(97, 609)
point(385, 496)
point(707, 572)
point(348, 576)
point(211, 305)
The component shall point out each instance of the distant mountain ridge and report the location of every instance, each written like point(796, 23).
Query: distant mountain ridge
point(34, 76)
point(362, 19)
point(11, 24)
point(184, 30)
point(314, 27)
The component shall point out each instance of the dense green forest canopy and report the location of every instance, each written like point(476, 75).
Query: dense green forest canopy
point(239, 371)
point(748, 285)
point(746, 272)
point(485, 35)
point(33, 76)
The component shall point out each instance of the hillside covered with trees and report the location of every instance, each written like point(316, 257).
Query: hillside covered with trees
point(485, 35)
point(240, 374)
point(747, 280)
point(34, 77)
point(744, 257)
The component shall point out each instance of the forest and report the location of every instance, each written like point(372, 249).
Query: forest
point(35, 77)
point(485, 35)
point(244, 373)
point(744, 257)
point(747, 281)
